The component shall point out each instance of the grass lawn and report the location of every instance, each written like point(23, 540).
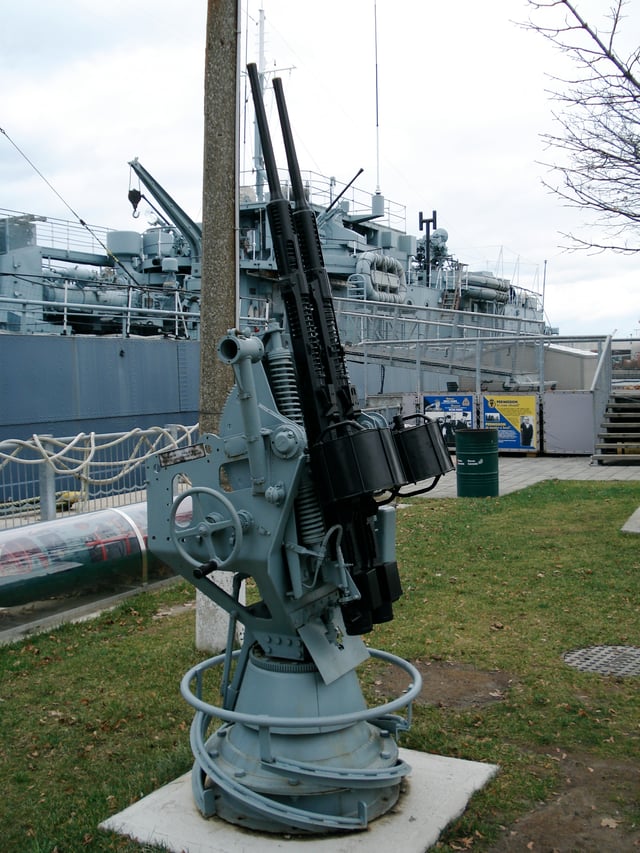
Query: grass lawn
point(92, 718)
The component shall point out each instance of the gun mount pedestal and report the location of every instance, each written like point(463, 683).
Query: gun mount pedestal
point(299, 765)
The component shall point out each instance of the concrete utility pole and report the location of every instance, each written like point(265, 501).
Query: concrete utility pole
point(219, 306)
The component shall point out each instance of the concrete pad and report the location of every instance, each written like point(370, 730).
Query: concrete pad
point(437, 792)
point(632, 525)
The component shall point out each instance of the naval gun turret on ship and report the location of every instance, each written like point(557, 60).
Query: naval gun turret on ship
point(296, 493)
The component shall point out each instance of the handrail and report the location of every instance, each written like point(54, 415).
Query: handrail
point(85, 306)
point(55, 233)
point(605, 359)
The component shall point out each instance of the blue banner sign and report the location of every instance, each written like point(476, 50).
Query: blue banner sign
point(452, 411)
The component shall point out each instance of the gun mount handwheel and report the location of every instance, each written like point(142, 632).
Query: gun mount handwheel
point(206, 527)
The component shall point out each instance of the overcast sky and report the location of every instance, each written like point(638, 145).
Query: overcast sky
point(462, 100)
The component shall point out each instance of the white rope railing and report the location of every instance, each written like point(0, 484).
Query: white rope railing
point(58, 453)
point(43, 476)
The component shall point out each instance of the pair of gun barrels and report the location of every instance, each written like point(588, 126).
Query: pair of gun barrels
point(350, 463)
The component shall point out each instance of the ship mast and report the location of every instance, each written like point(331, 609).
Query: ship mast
point(375, 39)
point(258, 159)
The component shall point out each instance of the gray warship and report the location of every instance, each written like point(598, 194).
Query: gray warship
point(101, 327)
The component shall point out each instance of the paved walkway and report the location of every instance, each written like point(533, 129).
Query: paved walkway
point(518, 472)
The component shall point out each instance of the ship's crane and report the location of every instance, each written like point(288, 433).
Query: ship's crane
point(191, 231)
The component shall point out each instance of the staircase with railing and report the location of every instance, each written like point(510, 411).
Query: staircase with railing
point(618, 441)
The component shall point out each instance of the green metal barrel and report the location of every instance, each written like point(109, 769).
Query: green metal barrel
point(477, 463)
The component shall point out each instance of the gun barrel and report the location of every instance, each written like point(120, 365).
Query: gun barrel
point(289, 146)
point(304, 217)
point(263, 129)
point(348, 462)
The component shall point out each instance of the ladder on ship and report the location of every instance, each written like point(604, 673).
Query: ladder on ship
point(451, 298)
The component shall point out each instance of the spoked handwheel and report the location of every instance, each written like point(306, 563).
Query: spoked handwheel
point(213, 533)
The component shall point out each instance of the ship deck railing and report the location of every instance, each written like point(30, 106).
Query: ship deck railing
point(322, 191)
point(36, 315)
point(59, 234)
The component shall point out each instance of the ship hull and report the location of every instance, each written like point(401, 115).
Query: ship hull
point(64, 385)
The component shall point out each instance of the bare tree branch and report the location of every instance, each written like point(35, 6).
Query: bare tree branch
point(598, 120)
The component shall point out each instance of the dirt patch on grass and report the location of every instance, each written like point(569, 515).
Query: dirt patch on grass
point(594, 811)
point(597, 804)
point(447, 685)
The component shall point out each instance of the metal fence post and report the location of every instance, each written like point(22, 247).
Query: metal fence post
point(47, 481)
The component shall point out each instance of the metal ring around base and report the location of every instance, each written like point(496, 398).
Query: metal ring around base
point(299, 722)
